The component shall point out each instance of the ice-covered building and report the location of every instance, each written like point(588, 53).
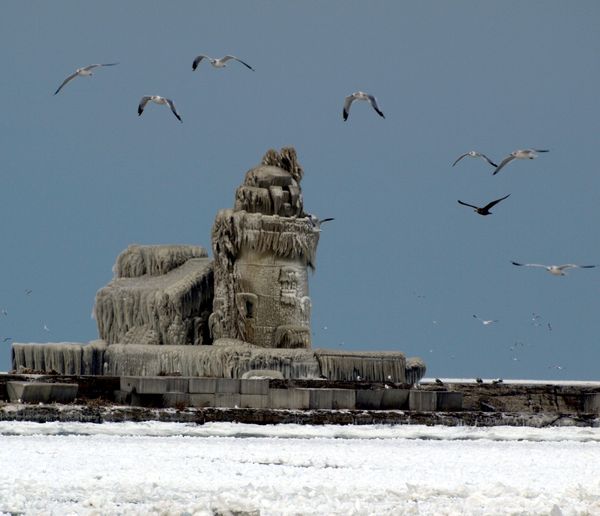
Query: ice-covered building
point(171, 310)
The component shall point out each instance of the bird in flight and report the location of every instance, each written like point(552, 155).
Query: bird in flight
point(518, 154)
point(157, 100)
point(485, 322)
point(315, 222)
point(475, 154)
point(556, 270)
point(86, 71)
point(360, 95)
point(219, 63)
point(486, 209)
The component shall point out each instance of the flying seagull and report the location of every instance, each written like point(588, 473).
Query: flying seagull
point(518, 154)
point(486, 209)
point(556, 270)
point(360, 95)
point(315, 222)
point(485, 322)
point(158, 100)
point(475, 154)
point(86, 71)
point(219, 63)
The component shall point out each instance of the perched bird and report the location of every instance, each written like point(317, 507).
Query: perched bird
point(496, 382)
point(475, 154)
point(518, 154)
point(439, 382)
point(486, 209)
point(86, 71)
point(478, 380)
point(360, 95)
point(157, 100)
point(219, 63)
point(556, 270)
point(485, 322)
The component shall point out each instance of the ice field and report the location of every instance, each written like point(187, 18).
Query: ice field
point(221, 468)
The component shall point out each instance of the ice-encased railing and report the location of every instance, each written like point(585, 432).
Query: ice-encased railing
point(61, 357)
point(415, 370)
point(223, 360)
point(154, 260)
point(356, 365)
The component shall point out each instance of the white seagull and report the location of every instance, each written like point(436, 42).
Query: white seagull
point(157, 99)
point(218, 63)
point(556, 270)
point(475, 154)
point(86, 71)
point(315, 223)
point(485, 322)
point(360, 95)
point(518, 154)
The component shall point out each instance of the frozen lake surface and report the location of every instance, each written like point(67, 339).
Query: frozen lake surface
point(170, 468)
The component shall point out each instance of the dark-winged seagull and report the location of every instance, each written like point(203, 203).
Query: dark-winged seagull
point(86, 71)
point(518, 154)
point(475, 154)
point(157, 99)
point(360, 95)
point(218, 63)
point(556, 270)
point(486, 209)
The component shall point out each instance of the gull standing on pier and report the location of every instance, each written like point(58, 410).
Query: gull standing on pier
point(157, 99)
point(360, 95)
point(219, 63)
point(518, 154)
point(86, 71)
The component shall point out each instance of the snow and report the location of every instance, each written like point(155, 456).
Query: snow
point(173, 468)
point(566, 383)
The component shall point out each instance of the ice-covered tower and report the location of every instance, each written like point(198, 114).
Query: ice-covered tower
point(263, 249)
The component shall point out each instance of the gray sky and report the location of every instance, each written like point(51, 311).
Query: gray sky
point(403, 266)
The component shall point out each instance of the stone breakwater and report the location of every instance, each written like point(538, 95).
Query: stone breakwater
point(101, 399)
point(119, 414)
